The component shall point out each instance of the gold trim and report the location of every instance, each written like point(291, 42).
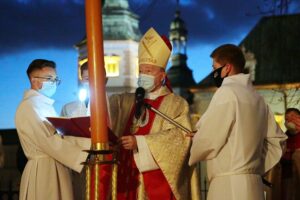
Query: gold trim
point(100, 146)
point(87, 182)
point(114, 182)
point(148, 51)
point(96, 188)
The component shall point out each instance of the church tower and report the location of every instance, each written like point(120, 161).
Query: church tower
point(180, 75)
point(121, 35)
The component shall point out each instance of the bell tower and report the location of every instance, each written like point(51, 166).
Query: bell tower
point(180, 75)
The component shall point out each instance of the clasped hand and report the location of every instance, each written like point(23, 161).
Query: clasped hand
point(128, 142)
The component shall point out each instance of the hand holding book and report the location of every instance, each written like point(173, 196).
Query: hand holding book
point(77, 126)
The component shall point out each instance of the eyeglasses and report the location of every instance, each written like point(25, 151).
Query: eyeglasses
point(56, 80)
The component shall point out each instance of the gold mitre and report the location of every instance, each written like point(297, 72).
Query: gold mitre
point(153, 49)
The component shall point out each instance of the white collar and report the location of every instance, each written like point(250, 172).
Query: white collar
point(243, 79)
point(157, 93)
point(33, 93)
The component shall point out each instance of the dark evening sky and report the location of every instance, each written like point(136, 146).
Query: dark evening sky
point(49, 28)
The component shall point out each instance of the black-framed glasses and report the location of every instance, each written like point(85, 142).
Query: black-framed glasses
point(56, 80)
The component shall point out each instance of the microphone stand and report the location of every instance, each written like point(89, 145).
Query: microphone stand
point(148, 106)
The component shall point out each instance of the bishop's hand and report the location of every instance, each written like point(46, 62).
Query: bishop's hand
point(129, 142)
point(191, 134)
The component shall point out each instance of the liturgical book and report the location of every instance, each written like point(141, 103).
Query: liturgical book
point(76, 126)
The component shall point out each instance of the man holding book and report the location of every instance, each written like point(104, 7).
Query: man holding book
point(46, 175)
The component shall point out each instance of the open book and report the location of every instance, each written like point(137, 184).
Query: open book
point(76, 126)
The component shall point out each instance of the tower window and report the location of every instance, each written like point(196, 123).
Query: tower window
point(112, 65)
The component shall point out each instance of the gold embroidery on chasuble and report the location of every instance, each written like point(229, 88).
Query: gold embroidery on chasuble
point(163, 140)
point(170, 147)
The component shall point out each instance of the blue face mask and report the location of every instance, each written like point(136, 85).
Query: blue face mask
point(48, 89)
point(146, 81)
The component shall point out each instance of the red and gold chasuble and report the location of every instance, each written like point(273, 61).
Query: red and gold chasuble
point(105, 171)
point(155, 183)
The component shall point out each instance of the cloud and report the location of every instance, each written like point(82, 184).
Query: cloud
point(206, 21)
point(30, 24)
point(39, 24)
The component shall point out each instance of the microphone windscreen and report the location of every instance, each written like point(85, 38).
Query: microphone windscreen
point(139, 101)
point(140, 94)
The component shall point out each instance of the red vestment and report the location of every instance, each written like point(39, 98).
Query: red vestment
point(156, 185)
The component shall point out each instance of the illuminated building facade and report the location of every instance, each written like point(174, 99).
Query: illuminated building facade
point(121, 35)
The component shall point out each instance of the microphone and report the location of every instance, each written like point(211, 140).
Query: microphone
point(139, 101)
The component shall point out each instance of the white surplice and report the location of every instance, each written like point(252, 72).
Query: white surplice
point(240, 140)
point(46, 175)
point(80, 109)
point(76, 109)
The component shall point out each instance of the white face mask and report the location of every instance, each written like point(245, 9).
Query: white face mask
point(48, 89)
point(147, 82)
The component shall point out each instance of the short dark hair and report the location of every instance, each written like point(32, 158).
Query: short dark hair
point(229, 53)
point(83, 67)
point(292, 110)
point(39, 64)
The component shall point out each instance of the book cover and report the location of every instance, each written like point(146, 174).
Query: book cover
point(77, 126)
